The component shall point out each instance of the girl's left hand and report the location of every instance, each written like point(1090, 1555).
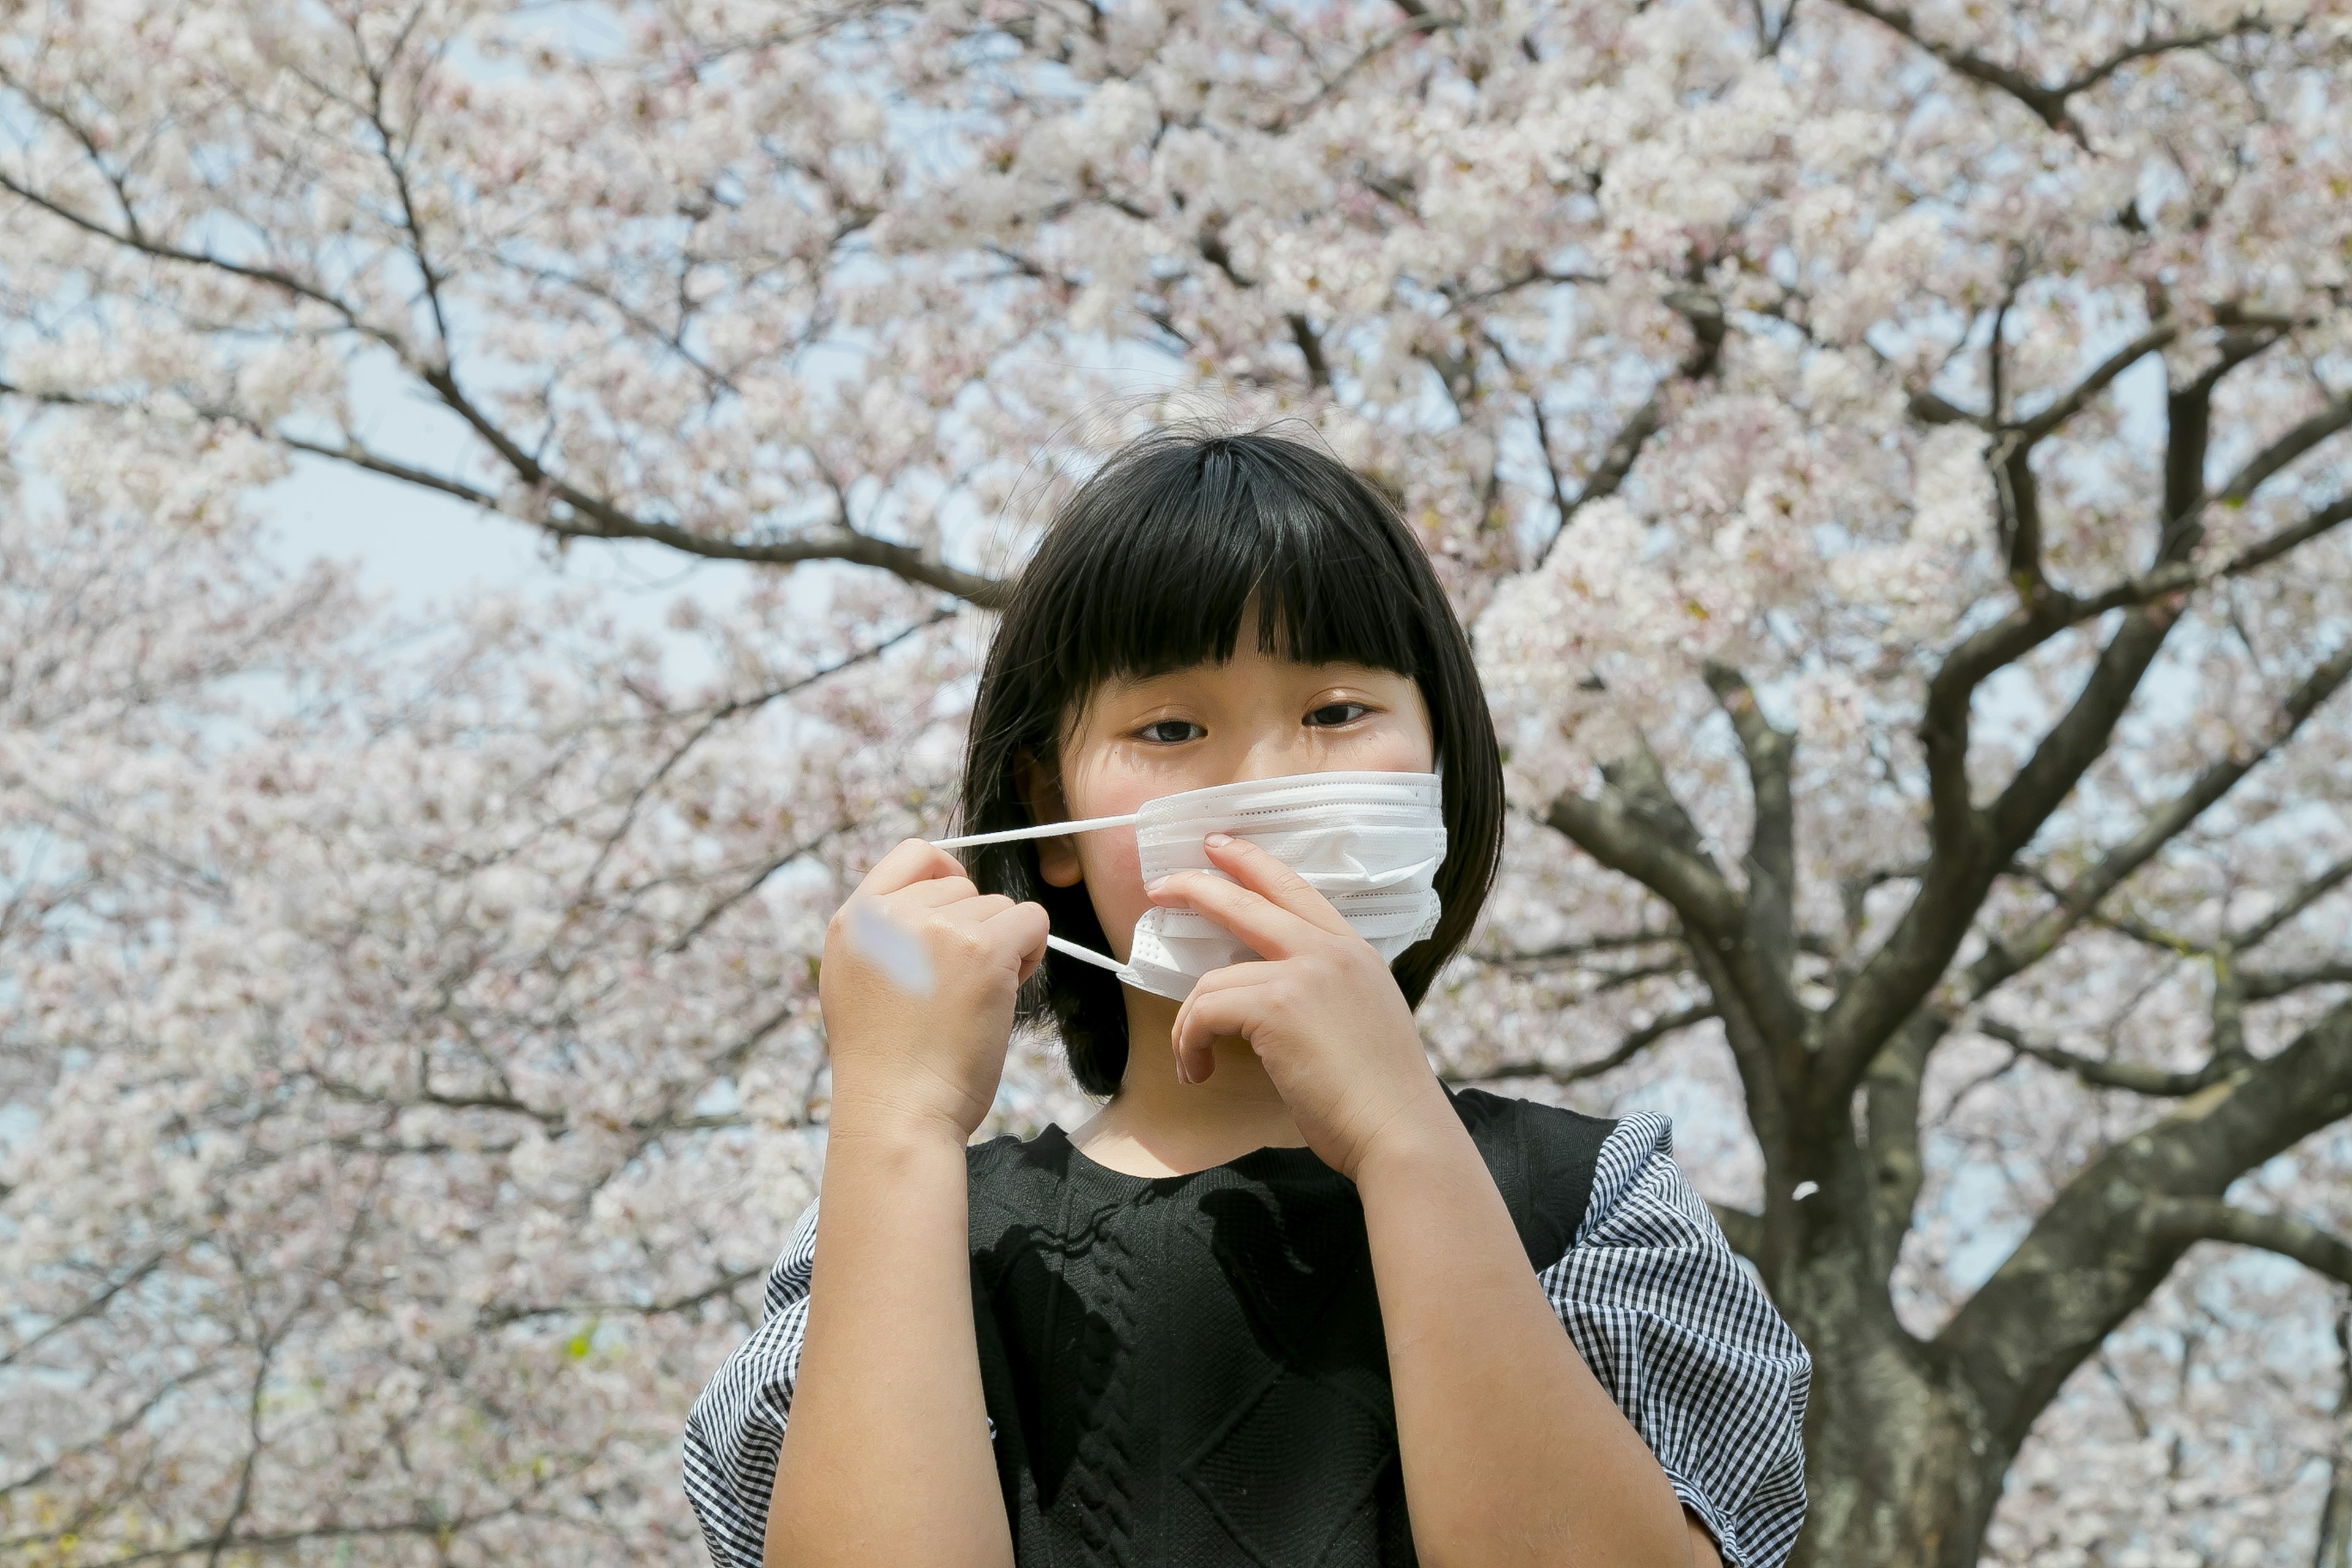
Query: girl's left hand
point(1321, 1007)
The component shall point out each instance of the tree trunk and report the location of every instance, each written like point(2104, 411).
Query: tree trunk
point(1902, 1468)
point(2334, 1547)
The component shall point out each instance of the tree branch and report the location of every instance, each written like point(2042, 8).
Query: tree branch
point(2048, 103)
point(2188, 1220)
point(2269, 984)
point(1968, 848)
point(598, 519)
point(1585, 948)
point(1766, 963)
point(494, 1317)
point(1705, 315)
point(2295, 903)
point(2294, 444)
point(1891, 1093)
point(595, 518)
point(2132, 1076)
point(2093, 1255)
point(2005, 958)
point(2075, 400)
point(1629, 830)
point(1632, 1045)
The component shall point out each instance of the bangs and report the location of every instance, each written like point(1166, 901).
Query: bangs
point(1166, 550)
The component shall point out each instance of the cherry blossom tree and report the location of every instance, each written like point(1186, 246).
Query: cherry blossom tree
point(405, 1025)
point(1894, 462)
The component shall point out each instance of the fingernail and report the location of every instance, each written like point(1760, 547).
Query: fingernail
point(1154, 885)
point(1218, 840)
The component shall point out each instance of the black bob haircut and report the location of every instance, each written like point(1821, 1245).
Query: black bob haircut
point(1147, 568)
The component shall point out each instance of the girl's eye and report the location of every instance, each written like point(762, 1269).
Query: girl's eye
point(1154, 731)
point(1334, 713)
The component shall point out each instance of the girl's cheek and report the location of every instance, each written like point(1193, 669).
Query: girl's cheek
point(1115, 883)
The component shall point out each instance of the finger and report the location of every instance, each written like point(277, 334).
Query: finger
point(911, 860)
point(1249, 972)
point(1271, 930)
point(939, 892)
point(1231, 977)
point(977, 909)
point(1232, 1010)
point(1260, 870)
point(1025, 926)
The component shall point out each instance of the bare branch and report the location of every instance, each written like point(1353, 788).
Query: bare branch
point(493, 1317)
point(1632, 1045)
point(2048, 103)
point(2211, 1219)
point(2133, 1077)
point(2003, 958)
point(2269, 984)
point(2075, 400)
point(1623, 832)
point(596, 519)
point(2335, 417)
point(1972, 848)
point(1705, 314)
point(1591, 946)
point(2093, 1255)
point(1764, 965)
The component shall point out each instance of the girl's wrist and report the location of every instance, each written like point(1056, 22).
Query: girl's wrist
point(1426, 1132)
point(881, 1124)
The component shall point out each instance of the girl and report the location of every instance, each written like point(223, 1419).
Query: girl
point(1286, 1298)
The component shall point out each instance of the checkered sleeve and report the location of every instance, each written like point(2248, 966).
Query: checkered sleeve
point(737, 1426)
point(1688, 1345)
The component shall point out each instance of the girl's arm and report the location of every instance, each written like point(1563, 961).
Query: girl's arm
point(886, 1460)
point(1513, 1452)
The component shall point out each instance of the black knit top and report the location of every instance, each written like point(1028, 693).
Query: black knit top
point(1189, 1369)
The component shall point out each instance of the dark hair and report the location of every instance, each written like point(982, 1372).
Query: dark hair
point(1146, 568)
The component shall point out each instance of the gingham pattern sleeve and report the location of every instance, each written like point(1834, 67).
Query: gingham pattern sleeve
point(1688, 1345)
point(736, 1427)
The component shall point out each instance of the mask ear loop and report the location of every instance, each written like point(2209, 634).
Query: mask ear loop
point(1087, 955)
point(1041, 830)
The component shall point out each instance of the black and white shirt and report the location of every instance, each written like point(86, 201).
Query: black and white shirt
point(1668, 1319)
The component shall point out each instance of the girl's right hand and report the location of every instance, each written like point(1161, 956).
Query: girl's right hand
point(919, 973)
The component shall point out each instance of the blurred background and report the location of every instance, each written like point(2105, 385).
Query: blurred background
point(500, 507)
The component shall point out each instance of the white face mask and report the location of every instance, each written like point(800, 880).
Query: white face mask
point(1369, 842)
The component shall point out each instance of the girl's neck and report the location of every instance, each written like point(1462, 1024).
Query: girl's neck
point(1157, 1126)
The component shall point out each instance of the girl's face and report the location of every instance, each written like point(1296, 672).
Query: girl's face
point(1258, 716)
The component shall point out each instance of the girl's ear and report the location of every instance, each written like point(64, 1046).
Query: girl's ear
point(1041, 792)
